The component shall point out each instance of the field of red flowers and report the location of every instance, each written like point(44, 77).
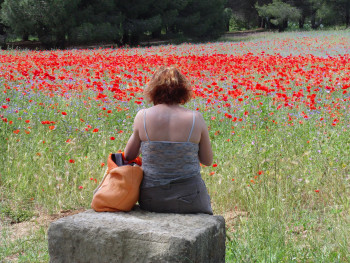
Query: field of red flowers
point(278, 111)
point(223, 82)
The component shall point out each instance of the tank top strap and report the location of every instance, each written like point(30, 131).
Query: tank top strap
point(144, 123)
point(194, 118)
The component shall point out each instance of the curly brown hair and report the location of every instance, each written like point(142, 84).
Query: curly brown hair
point(169, 86)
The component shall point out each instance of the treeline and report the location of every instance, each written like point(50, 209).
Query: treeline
point(278, 14)
point(58, 22)
point(127, 22)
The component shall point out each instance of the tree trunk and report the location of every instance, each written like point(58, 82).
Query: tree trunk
point(313, 21)
point(262, 22)
point(301, 22)
point(347, 14)
point(157, 33)
point(61, 41)
point(25, 37)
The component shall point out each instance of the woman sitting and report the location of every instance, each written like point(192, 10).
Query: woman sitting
point(173, 141)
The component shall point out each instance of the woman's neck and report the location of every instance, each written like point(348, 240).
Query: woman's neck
point(173, 106)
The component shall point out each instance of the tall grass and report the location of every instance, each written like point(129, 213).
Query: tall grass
point(283, 183)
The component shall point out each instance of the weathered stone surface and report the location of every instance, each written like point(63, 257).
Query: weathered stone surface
point(137, 236)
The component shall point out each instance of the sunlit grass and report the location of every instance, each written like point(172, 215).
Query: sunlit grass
point(281, 173)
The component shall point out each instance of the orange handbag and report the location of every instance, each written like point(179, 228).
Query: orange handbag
point(120, 186)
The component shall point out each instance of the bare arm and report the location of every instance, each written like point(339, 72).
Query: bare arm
point(205, 153)
point(132, 148)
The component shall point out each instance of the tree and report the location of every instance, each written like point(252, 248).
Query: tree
point(55, 22)
point(17, 15)
point(50, 20)
point(306, 10)
point(141, 16)
point(278, 13)
point(227, 16)
point(244, 12)
point(341, 8)
point(202, 19)
point(97, 21)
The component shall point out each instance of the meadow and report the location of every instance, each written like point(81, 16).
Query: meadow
point(278, 113)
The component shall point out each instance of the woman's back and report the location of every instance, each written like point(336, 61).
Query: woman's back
point(168, 158)
point(173, 141)
point(169, 123)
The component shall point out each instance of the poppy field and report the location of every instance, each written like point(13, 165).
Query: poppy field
point(278, 113)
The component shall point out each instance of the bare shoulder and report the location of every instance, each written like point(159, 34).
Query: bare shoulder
point(139, 114)
point(199, 118)
point(138, 118)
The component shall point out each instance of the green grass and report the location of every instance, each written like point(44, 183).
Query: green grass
point(31, 248)
point(291, 182)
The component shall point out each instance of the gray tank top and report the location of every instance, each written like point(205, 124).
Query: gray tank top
point(164, 162)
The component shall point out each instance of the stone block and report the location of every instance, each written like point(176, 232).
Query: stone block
point(137, 236)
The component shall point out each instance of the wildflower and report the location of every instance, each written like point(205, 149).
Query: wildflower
point(71, 161)
point(64, 113)
point(112, 138)
point(95, 130)
point(81, 187)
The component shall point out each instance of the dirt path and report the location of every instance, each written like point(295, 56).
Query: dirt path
point(20, 230)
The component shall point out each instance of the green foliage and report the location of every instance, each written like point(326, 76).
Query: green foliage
point(237, 23)
point(335, 12)
point(50, 20)
point(246, 17)
point(202, 19)
point(227, 16)
point(124, 22)
point(18, 16)
point(278, 13)
point(96, 22)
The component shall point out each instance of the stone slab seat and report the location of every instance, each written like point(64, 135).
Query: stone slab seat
point(137, 236)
